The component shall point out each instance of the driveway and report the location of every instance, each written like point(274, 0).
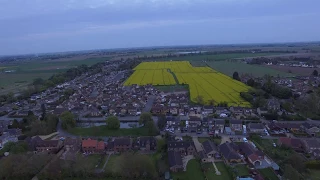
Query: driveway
point(197, 144)
point(224, 139)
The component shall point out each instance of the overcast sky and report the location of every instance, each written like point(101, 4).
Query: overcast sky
point(36, 26)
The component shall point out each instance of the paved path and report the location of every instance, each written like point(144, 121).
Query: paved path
point(197, 144)
point(185, 161)
point(104, 166)
point(149, 103)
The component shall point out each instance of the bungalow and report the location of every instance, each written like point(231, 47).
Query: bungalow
point(312, 145)
point(194, 121)
point(92, 146)
point(254, 156)
point(221, 110)
point(184, 147)
point(311, 129)
point(296, 144)
point(209, 150)
point(175, 161)
point(146, 143)
point(229, 152)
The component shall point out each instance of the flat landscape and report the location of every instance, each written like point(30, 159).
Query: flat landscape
point(24, 73)
point(205, 84)
point(228, 68)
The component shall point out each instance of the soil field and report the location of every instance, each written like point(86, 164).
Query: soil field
point(294, 70)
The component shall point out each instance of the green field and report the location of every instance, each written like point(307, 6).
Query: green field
point(193, 172)
point(228, 68)
point(26, 72)
point(216, 57)
point(104, 131)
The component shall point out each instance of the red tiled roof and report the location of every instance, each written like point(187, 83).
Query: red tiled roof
point(253, 157)
point(100, 145)
point(89, 143)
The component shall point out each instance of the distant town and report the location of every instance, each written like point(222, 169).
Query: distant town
point(86, 122)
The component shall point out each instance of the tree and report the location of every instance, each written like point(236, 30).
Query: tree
point(199, 99)
point(68, 120)
point(113, 122)
point(43, 110)
point(290, 173)
point(251, 82)
point(161, 121)
point(145, 117)
point(315, 73)
point(152, 130)
point(236, 76)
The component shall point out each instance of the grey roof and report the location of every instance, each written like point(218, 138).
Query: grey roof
point(221, 122)
point(235, 122)
point(180, 144)
point(174, 158)
point(228, 151)
point(122, 141)
point(312, 143)
point(256, 126)
point(209, 146)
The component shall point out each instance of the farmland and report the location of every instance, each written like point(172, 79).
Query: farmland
point(206, 85)
point(229, 68)
point(24, 73)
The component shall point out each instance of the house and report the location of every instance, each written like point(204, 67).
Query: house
point(37, 145)
point(273, 104)
point(219, 126)
point(9, 135)
point(235, 125)
point(92, 146)
point(254, 156)
point(208, 109)
point(184, 147)
point(146, 143)
point(72, 144)
point(175, 161)
point(209, 150)
point(221, 110)
point(311, 145)
point(194, 121)
point(311, 129)
point(294, 143)
point(122, 144)
point(237, 111)
point(229, 152)
point(257, 128)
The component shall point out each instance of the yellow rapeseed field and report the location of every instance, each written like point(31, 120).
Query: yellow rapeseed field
point(206, 85)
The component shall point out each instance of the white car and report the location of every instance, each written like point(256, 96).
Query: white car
point(245, 140)
point(274, 144)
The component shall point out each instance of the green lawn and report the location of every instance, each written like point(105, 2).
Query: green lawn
point(96, 160)
point(314, 174)
point(104, 131)
point(211, 173)
point(268, 173)
point(242, 170)
point(229, 68)
point(193, 172)
point(111, 163)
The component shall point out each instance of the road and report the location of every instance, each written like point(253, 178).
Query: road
point(62, 132)
point(6, 118)
point(149, 103)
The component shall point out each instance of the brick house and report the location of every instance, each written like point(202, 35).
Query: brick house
point(184, 147)
point(122, 144)
point(146, 143)
point(37, 145)
point(294, 143)
point(92, 146)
